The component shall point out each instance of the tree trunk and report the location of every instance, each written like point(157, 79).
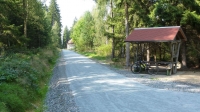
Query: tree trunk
point(113, 30)
point(25, 7)
point(160, 52)
point(127, 33)
point(113, 48)
point(183, 55)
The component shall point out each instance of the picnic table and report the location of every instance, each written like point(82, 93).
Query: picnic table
point(160, 65)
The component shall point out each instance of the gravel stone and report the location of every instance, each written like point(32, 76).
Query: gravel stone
point(60, 97)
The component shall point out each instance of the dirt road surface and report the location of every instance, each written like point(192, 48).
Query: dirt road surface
point(96, 88)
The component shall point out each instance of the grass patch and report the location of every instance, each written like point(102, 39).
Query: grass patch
point(94, 55)
point(13, 97)
point(115, 63)
point(24, 78)
point(152, 78)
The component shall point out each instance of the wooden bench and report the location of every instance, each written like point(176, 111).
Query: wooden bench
point(163, 66)
point(160, 65)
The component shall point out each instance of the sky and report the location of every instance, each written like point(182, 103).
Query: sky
point(69, 9)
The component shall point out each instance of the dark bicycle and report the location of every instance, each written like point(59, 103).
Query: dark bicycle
point(140, 66)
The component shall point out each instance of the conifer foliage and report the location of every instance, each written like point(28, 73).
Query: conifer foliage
point(66, 36)
point(55, 22)
point(28, 23)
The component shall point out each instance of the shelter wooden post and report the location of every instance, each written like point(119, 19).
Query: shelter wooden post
point(172, 55)
point(147, 52)
point(137, 52)
point(175, 47)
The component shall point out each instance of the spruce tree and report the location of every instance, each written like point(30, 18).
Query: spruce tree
point(66, 37)
point(55, 19)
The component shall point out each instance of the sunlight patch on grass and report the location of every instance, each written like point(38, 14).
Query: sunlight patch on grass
point(115, 63)
point(94, 55)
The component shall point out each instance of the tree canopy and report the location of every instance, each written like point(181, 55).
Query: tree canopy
point(107, 25)
point(31, 24)
point(28, 23)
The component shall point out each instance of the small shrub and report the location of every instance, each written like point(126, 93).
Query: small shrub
point(3, 107)
point(104, 50)
point(115, 59)
point(18, 71)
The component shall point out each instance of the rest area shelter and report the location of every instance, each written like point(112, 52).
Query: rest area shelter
point(156, 42)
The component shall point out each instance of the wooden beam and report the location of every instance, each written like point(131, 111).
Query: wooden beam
point(177, 55)
point(148, 52)
point(172, 53)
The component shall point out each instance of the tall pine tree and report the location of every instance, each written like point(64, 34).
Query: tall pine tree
point(66, 37)
point(55, 19)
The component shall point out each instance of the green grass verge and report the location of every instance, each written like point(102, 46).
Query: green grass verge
point(24, 78)
point(94, 55)
point(115, 63)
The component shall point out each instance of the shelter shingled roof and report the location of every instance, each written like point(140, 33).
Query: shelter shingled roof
point(156, 34)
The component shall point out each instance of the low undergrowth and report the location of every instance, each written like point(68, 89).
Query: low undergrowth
point(94, 55)
point(115, 62)
point(24, 79)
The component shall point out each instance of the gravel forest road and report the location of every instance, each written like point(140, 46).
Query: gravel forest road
point(96, 88)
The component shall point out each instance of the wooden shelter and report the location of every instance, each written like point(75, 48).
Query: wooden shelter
point(70, 44)
point(172, 35)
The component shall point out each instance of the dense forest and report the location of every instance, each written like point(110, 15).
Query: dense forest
point(104, 29)
point(29, 23)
